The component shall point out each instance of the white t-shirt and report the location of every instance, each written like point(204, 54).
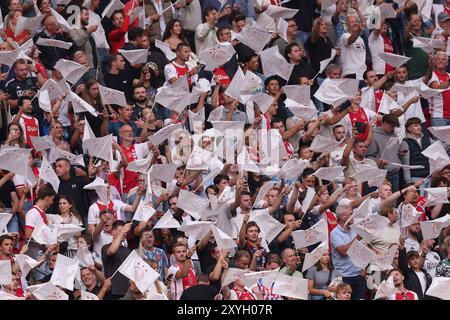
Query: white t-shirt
point(438, 105)
point(57, 219)
point(353, 56)
point(94, 211)
point(33, 217)
point(422, 280)
point(376, 46)
point(104, 238)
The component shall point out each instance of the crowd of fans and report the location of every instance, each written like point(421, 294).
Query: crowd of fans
point(235, 150)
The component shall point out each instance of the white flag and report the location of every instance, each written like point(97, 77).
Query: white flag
point(436, 196)
point(111, 7)
point(163, 172)
point(67, 231)
point(54, 43)
point(394, 60)
point(191, 203)
point(370, 226)
point(44, 101)
point(31, 24)
point(279, 12)
point(9, 57)
point(79, 105)
point(231, 275)
point(275, 64)
point(270, 227)
point(144, 211)
point(88, 296)
point(64, 272)
point(15, 160)
point(432, 229)
point(42, 234)
point(8, 296)
point(111, 96)
point(167, 221)
point(223, 240)
point(73, 159)
point(84, 256)
point(312, 257)
point(138, 56)
point(267, 278)
point(70, 70)
point(282, 27)
point(217, 55)
point(5, 272)
point(140, 165)
point(267, 186)
point(359, 254)
point(99, 147)
point(263, 100)
point(326, 62)
point(292, 287)
point(254, 38)
point(409, 215)
point(439, 288)
point(308, 237)
point(297, 93)
point(305, 112)
point(165, 48)
point(48, 174)
point(42, 143)
point(386, 289)
point(4, 219)
point(442, 133)
point(330, 173)
point(49, 291)
point(139, 271)
point(384, 260)
point(162, 135)
point(196, 229)
point(310, 193)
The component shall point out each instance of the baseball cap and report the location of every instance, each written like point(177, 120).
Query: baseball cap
point(443, 16)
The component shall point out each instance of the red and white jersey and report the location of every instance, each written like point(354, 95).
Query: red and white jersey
point(130, 178)
point(440, 103)
point(361, 115)
point(30, 127)
point(34, 216)
point(173, 69)
point(407, 295)
point(179, 285)
point(115, 206)
point(377, 45)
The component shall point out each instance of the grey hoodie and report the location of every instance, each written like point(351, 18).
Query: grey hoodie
point(378, 148)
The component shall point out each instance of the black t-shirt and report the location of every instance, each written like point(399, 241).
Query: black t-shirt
point(119, 283)
point(199, 292)
point(97, 289)
point(303, 69)
point(17, 88)
point(73, 188)
point(216, 284)
point(318, 51)
point(121, 82)
point(205, 257)
point(5, 193)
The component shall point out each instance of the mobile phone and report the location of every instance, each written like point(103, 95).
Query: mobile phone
point(360, 127)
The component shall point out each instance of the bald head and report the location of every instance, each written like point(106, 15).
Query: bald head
point(51, 25)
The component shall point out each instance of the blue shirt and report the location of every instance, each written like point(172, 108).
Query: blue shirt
point(159, 256)
point(343, 265)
